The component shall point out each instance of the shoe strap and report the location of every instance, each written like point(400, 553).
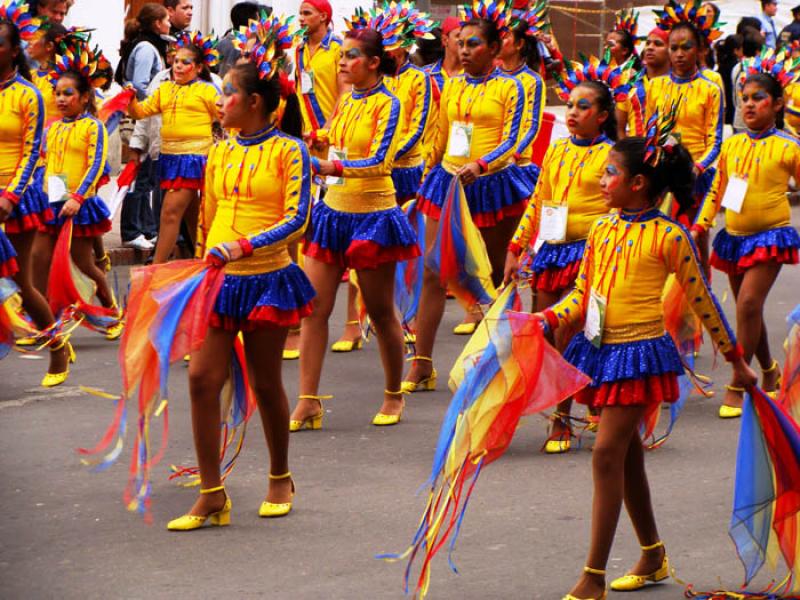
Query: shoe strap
point(592, 571)
point(398, 393)
point(422, 358)
point(59, 343)
point(356, 322)
point(735, 388)
point(774, 366)
point(313, 397)
point(219, 488)
point(286, 475)
point(658, 544)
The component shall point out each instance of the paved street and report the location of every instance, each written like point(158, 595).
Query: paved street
point(66, 534)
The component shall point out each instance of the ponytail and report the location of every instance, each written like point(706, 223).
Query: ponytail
point(271, 91)
point(19, 63)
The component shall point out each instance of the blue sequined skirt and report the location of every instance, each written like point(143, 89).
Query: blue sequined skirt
point(555, 267)
point(360, 240)
point(33, 208)
point(531, 172)
point(91, 220)
point(406, 182)
point(734, 254)
point(276, 299)
point(181, 171)
point(8, 257)
point(491, 198)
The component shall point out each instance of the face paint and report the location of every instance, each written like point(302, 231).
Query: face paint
point(354, 53)
point(474, 40)
point(584, 104)
point(228, 89)
point(186, 61)
point(685, 46)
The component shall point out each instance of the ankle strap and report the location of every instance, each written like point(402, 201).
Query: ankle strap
point(734, 388)
point(398, 393)
point(313, 397)
point(356, 322)
point(278, 477)
point(219, 488)
point(59, 342)
point(658, 544)
point(592, 571)
point(774, 366)
point(422, 358)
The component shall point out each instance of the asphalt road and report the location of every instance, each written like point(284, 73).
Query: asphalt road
point(64, 532)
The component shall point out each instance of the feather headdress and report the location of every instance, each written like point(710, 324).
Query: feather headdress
point(206, 43)
point(590, 68)
point(78, 57)
point(494, 11)
point(395, 31)
point(265, 40)
point(692, 11)
point(18, 14)
point(781, 65)
point(658, 136)
point(627, 19)
point(534, 19)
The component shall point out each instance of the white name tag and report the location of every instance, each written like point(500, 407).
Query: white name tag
point(460, 139)
point(306, 82)
point(553, 224)
point(595, 318)
point(734, 194)
point(335, 154)
point(56, 188)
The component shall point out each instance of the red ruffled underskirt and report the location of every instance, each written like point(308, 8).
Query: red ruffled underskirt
point(182, 184)
point(648, 391)
point(9, 268)
point(262, 317)
point(30, 222)
point(556, 280)
point(94, 230)
point(481, 220)
point(362, 254)
point(786, 256)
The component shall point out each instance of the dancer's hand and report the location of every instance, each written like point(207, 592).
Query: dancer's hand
point(70, 208)
point(542, 321)
point(469, 173)
point(5, 208)
point(511, 268)
point(743, 374)
point(326, 167)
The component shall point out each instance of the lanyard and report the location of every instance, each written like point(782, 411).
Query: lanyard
point(572, 175)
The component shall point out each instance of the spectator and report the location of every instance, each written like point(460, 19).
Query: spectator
point(751, 46)
point(791, 32)
point(769, 9)
point(729, 53)
point(241, 13)
point(180, 15)
point(746, 23)
point(54, 10)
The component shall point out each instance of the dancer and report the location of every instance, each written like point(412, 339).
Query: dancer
point(189, 108)
point(75, 163)
point(568, 199)
point(633, 363)
point(751, 184)
point(358, 225)
point(480, 117)
point(621, 41)
point(23, 205)
point(449, 66)
point(252, 212)
point(43, 50)
point(631, 116)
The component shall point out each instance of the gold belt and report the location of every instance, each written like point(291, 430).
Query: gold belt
point(196, 146)
point(363, 202)
point(408, 162)
point(453, 168)
point(633, 332)
point(263, 260)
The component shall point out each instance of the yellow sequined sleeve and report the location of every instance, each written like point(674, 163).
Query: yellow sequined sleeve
point(570, 310)
point(529, 223)
point(209, 206)
point(439, 143)
point(711, 202)
point(148, 107)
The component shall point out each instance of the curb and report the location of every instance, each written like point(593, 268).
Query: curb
point(122, 257)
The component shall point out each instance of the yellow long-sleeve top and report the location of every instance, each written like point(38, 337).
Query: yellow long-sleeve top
point(534, 89)
point(767, 160)
point(494, 106)
point(634, 106)
point(412, 87)
point(257, 191)
point(570, 175)
point(189, 112)
point(365, 127)
point(791, 112)
point(700, 112)
point(627, 260)
point(41, 79)
point(76, 150)
point(21, 127)
point(317, 104)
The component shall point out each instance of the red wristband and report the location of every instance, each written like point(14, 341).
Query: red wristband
point(515, 249)
point(697, 228)
point(517, 156)
point(77, 197)
point(552, 319)
point(246, 246)
point(483, 165)
point(10, 196)
point(734, 353)
point(339, 169)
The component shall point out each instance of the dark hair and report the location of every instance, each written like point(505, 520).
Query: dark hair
point(54, 33)
point(197, 55)
point(83, 86)
point(488, 29)
point(171, 3)
point(429, 50)
point(627, 41)
point(19, 62)
point(242, 12)
point(766, 82)
point(752, 42)
point(605, 101)
point(270, 90)
point(674, 171)
point(372, 45)
point(765, 2)
point(748, 22)
point(146, 19)
point(141, 28)
point(530, 48)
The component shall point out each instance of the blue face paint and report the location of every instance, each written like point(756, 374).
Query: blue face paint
point(228, 89)
point(584, 104)
point(353, 53)
point(612, 170)
point(685, 46)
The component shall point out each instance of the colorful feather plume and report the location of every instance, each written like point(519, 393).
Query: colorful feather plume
point(534, 19)
point(781, 65)
point(18, 14)
point(113, 109)
point(70, 290)
point(264, 42)
point(627, 19)
point(76, 56)
point(13, 321)
point(494, 11)
point(692, 11)
point(419, 24)
point(207, 44)
point(590, 68)
point(409, 273)
point(396, 31)
point(514, 373)
point(459, 254)
point(658, 134)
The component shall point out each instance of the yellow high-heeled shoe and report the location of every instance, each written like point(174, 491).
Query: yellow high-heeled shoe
point(292, 354)
point(409, 337)
point(115, 331)
point(313, 422)
point(384, 420)
point(272, 510)
point(348, 345)
point(465, 328)
point(104, 263)
point(562, 443)
point(190, 522)
point(731, 412)
point(631, 582)
point(774, 393)
point(428, 384)
point(591, 571)
point(53, 379)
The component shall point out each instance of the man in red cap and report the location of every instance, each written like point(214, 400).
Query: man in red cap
point(450, 65)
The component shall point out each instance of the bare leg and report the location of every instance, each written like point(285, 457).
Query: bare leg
point(352, 329)
point(84, 259)
point(175, 205)
point(314, 334)
point(44, 245)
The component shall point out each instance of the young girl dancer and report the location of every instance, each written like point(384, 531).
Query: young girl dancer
point(256, 203)
point(358, 225)
point(567, 200)
point(624, 349)
point(758, 239)
point(189, 106)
